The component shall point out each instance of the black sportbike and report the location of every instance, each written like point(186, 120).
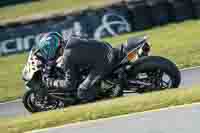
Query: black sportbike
point(136, 71)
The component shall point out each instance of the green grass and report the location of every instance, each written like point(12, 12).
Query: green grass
point(11, 85)
point(102, 109)
point(10, 13)
point(178, 42)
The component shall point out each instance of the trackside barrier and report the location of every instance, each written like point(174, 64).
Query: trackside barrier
point(196, 8)
point(159, 12)
point(141, 16)
point(181, 10)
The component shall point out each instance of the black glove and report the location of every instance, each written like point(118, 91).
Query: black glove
point(47, 73)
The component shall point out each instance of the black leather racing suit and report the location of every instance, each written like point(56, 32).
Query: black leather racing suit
point(79, 53)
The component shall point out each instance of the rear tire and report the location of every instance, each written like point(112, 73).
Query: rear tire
point(152, 63)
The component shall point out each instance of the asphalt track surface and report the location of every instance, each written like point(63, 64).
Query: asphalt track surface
point(173, 120)
point(13, 109)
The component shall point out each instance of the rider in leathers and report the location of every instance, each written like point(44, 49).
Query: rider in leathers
point(77, 53)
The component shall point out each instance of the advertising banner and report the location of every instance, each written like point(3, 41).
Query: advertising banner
point(89, 23)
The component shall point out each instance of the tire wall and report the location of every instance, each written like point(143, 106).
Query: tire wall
point(111, 20)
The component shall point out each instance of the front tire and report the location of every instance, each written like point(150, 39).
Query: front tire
point(154, 64)
point(27, 101)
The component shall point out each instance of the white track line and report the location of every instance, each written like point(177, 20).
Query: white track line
point(190, 68)
point(114, 118)
point(14, 101)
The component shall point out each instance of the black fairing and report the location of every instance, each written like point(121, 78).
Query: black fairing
point(133, 43)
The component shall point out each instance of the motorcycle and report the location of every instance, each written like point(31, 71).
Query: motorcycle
point(136, 71)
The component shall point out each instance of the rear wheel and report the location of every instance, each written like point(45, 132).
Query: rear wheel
point(157, 73)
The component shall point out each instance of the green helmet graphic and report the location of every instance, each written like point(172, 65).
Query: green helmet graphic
point(49, 44)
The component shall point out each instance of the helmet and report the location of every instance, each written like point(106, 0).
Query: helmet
point(48, 45)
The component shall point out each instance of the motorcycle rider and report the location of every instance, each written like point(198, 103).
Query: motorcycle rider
point(77, 52)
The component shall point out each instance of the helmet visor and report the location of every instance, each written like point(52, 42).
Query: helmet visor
point(49, 48)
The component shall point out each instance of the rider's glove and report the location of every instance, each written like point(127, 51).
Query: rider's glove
point(49, 67)
point(47, 73)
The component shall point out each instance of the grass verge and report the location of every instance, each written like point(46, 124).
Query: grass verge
point(102, 109)
point(11, 84)
point(46, 7)
point(178, 42)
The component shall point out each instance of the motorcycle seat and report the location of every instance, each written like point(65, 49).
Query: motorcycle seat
point(133, 42)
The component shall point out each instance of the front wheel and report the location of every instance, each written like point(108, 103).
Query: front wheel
point(34, 103)
point(28, 101)
point(154, 73)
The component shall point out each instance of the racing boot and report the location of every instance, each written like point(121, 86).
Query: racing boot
point(86, 95)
